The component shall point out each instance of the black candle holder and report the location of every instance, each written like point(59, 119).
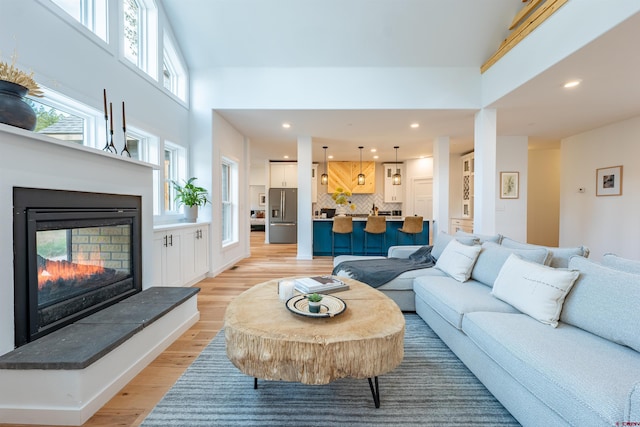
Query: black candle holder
point(125, 150)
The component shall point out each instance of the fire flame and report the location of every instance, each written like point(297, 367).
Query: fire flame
point(64, 270)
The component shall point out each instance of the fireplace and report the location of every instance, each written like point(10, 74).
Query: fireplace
point(74, 253)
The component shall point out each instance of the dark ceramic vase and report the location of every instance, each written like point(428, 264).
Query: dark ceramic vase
point(14, 110)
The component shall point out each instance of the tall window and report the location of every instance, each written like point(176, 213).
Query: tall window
point(174, 75)
point(229, 201)
point(90, 13)
point(174, 168)
point(140, 30)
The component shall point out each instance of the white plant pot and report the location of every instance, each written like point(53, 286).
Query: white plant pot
point(191, 213)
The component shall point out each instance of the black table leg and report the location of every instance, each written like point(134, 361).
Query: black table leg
point(255, 383)
point(375, 391)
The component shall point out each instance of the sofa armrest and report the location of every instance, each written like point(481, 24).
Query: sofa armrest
point(632, 411)
point(402, 251)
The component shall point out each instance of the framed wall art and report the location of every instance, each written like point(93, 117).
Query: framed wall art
point(609, 181)
point(509, 185)
point(261, 199)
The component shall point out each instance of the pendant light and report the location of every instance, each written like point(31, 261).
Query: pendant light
point(324, 178)
point(396, 179)
point(360, 175)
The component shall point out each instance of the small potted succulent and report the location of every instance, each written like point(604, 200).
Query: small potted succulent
point(314, 302)
point(191, 196)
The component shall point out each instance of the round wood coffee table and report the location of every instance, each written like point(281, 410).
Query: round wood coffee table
point(265, 340)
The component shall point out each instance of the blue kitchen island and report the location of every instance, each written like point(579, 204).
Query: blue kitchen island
point(322, 237)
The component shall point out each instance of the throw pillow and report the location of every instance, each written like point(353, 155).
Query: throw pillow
point(558, 257)
point(604, 302)
point(442, 240)
point(536, 290)
point(493, 256)
point(622, 264)
point(457, 260)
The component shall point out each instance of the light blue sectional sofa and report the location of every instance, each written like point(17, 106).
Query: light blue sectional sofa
point(585, 371)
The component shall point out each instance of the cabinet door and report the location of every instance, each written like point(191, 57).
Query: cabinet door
point(167, 270)
point(201, 257)
point(283, 175)
point(393, 193)
point(158, 259)
point(195, 253)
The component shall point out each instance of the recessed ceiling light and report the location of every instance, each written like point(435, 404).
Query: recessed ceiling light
point(373, 150)
point(331, 157)
point(286, 125)
point(375, 157)
point(286, 157)
point(415, 125)
point(572, 83)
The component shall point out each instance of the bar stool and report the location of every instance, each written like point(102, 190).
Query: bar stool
point(411, 225)
point(376, 225)
point(342, 225)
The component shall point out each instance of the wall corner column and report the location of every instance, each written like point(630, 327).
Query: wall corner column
point(305, 220)
point(485, 181)
point(441, 171)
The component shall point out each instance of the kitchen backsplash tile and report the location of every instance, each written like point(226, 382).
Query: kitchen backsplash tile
point(364, 203)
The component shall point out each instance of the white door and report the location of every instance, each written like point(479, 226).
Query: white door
point(423, 197)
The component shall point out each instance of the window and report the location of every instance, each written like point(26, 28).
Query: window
point(174, 169)
point(140, 25)
point(174, 76)
point(229, 201)
point(66, 119)
point(90, 13)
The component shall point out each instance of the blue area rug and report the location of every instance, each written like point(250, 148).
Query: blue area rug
point(430, 388)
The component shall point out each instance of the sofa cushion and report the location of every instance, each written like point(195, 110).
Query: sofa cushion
point(457, 260)
point(442, 240)
point(559, 256)
point(493, 256)
point(495, 238)
point(587, 379)
point(623, 264)
point(452, 299)
point(534, 289)
point(604, 301)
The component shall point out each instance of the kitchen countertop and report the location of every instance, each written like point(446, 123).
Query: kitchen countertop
point(363, 218)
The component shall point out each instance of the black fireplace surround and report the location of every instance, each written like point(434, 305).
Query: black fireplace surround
point(75, 253)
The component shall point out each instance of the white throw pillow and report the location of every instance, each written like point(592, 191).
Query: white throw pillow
point(534, 289)
point(457, 260)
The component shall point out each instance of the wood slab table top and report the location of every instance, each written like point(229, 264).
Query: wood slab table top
point(266, 340)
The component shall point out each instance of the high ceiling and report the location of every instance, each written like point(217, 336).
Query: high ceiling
point(401, 33)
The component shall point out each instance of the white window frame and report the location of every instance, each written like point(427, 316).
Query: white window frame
point(179, 161)
point(175, 65)
point(232, 204)
point(147, 59)
point(94, 15)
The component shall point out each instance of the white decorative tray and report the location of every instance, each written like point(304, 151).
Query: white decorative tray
point(329, 306)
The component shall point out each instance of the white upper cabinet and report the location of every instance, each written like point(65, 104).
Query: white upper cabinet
point(284, 175)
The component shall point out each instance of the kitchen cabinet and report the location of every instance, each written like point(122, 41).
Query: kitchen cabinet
point(393, 193)
point(467, 185)
point(195, 254)
point(460, 224)
point(284, 175)
point(180, 254)
point(314, 183)
point(167, 262)
point(345, 175)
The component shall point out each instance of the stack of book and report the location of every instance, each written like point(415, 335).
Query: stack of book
point(320, 285)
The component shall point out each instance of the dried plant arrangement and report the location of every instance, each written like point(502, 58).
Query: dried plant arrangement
point(10, 73)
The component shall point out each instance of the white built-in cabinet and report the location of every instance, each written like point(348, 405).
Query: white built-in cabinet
point(467, 185)
point(283, 175)
point(393, 193)
point(180, 254)
point(314, 183)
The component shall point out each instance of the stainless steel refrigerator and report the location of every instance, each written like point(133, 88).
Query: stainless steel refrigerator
point(283, 215)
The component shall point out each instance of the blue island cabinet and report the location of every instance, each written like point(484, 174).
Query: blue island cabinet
point(322, 238)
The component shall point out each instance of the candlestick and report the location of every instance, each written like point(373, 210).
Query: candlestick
point(111, 117)
point(105, 103)
point(124, 120)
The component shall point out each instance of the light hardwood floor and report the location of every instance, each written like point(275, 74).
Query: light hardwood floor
point(134, 402)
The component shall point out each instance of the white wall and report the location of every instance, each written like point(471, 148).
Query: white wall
point(543, 201)
point(511, 214)
point(414, 169)
point(604, 224)
point(67, 60)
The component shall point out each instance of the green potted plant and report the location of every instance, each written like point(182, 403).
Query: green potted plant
point(314, 302)
point(191, 196)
